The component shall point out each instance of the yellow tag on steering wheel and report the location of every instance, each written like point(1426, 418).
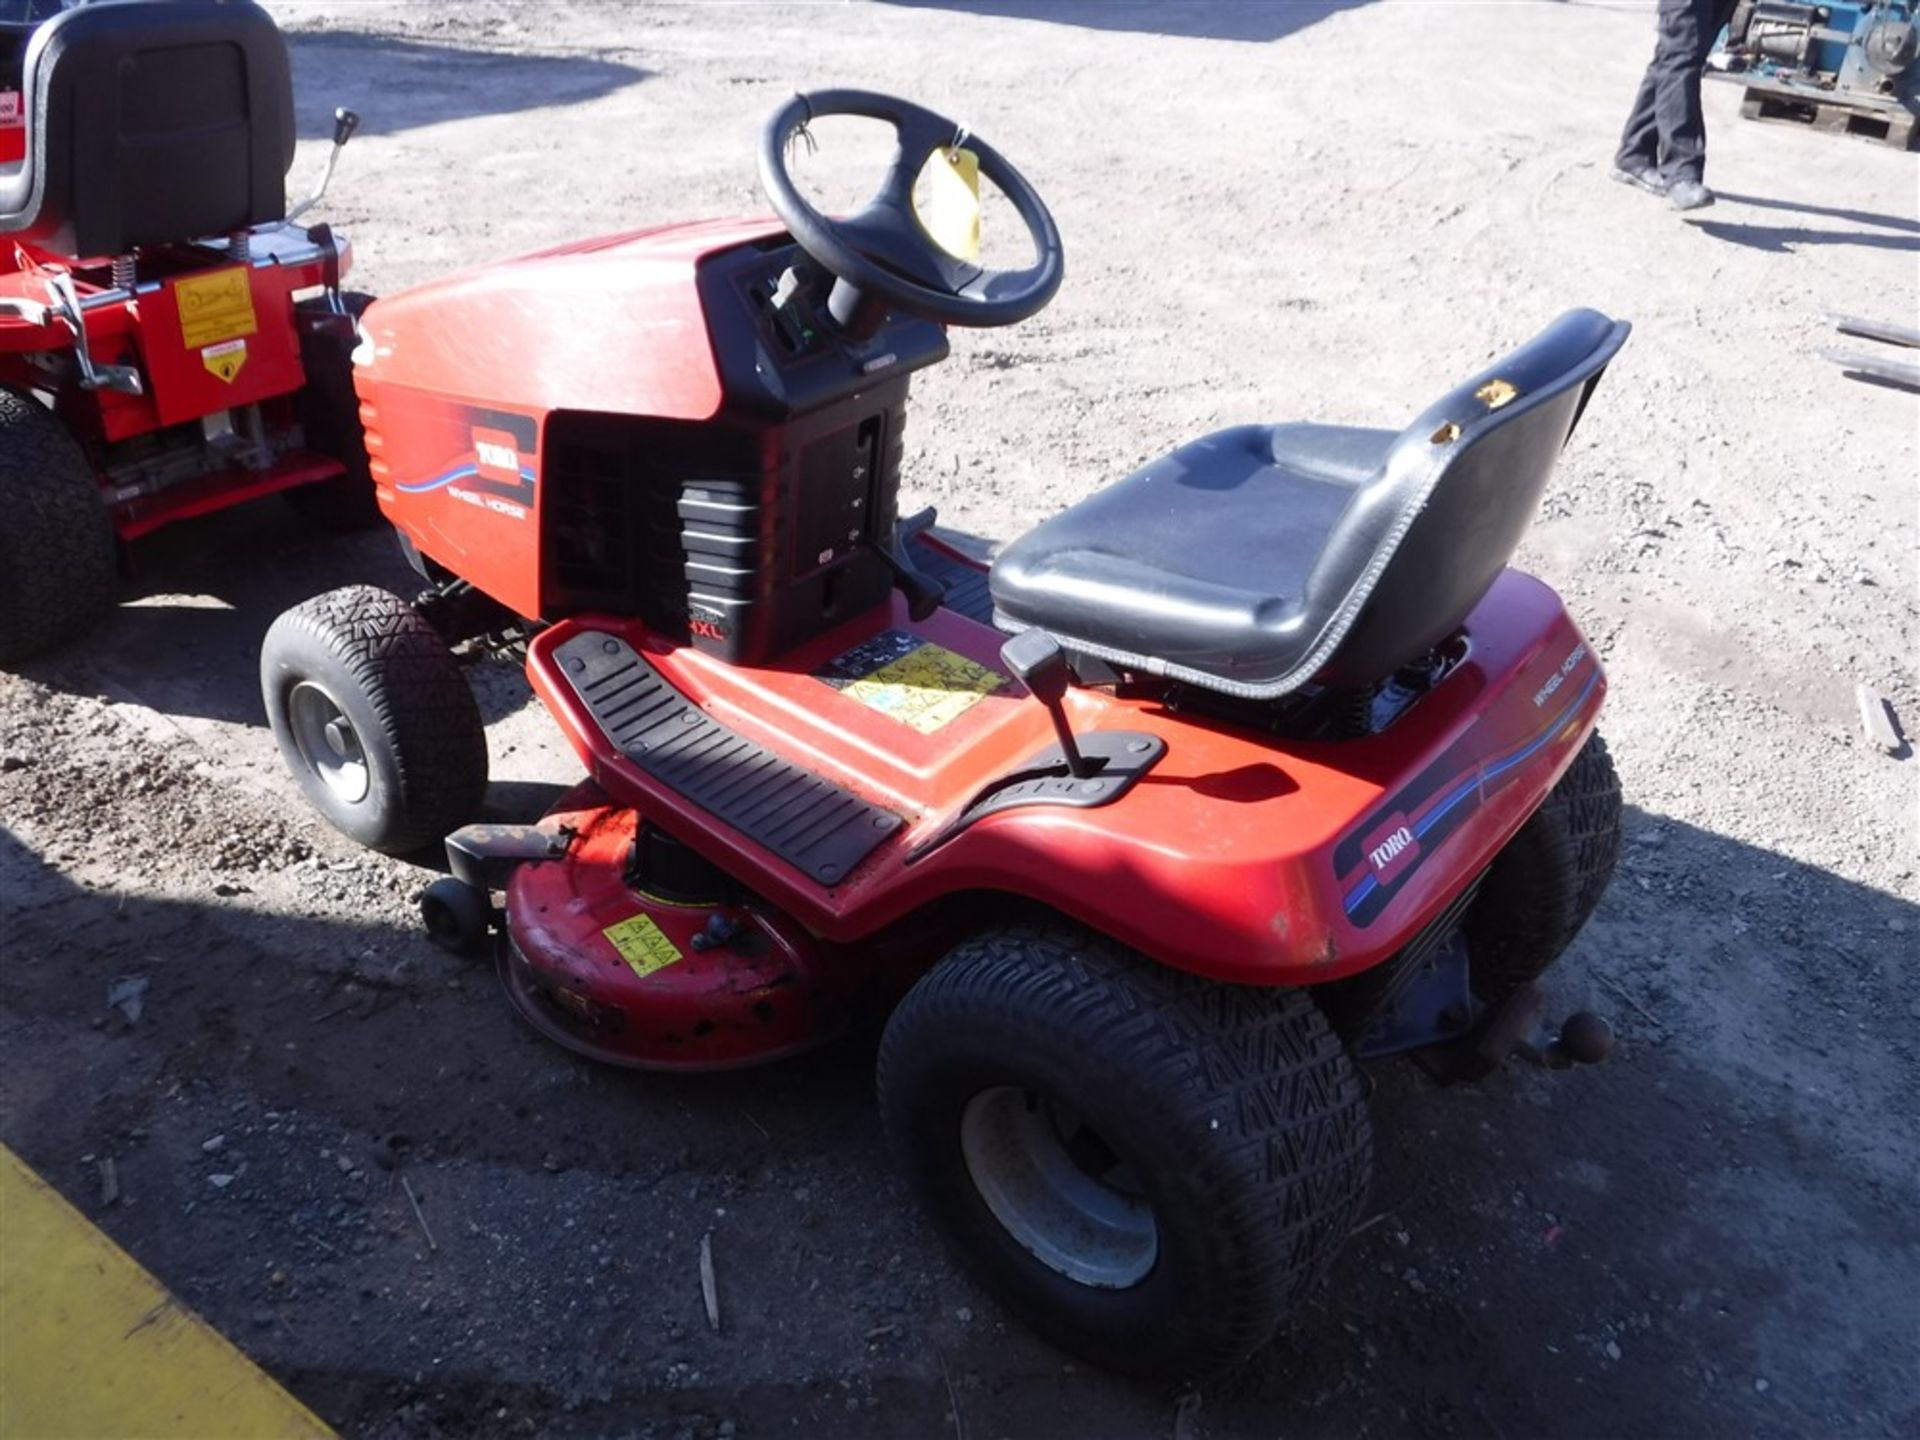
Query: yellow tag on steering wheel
point(951, 210)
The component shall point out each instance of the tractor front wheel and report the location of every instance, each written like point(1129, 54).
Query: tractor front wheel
point(1146, 1167)
point(374, 718)
point(57, 556)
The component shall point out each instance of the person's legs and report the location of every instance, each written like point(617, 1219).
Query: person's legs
point(1687, 32)
point(1639, 151)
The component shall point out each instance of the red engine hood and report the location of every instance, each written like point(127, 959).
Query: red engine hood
point(612, 324)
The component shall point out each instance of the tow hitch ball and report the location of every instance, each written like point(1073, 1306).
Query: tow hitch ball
point(1515, 1025)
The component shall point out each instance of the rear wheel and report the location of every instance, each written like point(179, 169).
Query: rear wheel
point(1146, 1167)
point(57, 558)
point(374, 718)
point(1542, 887)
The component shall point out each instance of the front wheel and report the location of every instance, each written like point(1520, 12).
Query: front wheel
point(374, 718)
point(1146, 1167)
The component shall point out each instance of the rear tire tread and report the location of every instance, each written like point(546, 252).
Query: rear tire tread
point(1544, 885)
point(1264, 1064)
point(58, 560)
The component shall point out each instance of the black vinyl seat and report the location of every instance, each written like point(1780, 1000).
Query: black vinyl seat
point(1261, 558)
point(148, 122)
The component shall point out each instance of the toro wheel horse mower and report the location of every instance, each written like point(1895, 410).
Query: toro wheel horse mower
point(1256, 764)
point(170, 343)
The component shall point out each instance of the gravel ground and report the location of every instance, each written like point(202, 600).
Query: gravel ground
point(1305, 211)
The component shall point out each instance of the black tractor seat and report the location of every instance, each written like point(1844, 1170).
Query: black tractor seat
point(150, 122)
point(1263, 557)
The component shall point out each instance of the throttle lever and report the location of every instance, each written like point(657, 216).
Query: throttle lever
point(923, 592)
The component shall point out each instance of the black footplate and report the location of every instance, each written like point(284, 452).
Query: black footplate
point(811, 823)
point(967, 591)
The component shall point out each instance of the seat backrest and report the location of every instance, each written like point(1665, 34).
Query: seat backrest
point(1421, 542)
point(150, 121)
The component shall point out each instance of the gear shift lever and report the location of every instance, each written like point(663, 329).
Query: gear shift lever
point(1037, 660)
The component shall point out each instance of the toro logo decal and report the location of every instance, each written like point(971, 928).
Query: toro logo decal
point(1391, 848)
point(494, 455)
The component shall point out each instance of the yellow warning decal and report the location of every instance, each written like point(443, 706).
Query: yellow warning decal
point(951, 211)
point(642, 944)
point(922, 685)
point(225, 359)
point(215, 307)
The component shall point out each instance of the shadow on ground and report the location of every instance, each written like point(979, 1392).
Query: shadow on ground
point(398, 85)
point(185, 639)
point(1603, 1250)
point(1192, 19)
point(1905, 224)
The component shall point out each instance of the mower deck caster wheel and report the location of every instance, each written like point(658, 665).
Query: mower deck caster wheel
point(458, 916)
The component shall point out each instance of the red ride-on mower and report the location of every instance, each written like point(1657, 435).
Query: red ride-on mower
point(170, 342)
point(1256, 764)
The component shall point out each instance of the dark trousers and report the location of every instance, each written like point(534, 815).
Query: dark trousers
point(1665, 132)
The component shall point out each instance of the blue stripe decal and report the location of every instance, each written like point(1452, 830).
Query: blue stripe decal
point(459, 472)
point(1356, 896)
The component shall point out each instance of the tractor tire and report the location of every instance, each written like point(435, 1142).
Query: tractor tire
point(374, 718)
point(1148, 1168)
point(1542, 887)
point(57, 553)
point(329, 412)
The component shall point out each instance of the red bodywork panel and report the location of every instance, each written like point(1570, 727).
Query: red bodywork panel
point(1239, 856)
point(13, 128)
point(206, 334)
point(617, 973)
point(459, 376)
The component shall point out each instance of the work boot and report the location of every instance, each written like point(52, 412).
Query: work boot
point(1644, 176)
point(1689, 195)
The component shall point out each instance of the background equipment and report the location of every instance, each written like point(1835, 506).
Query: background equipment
point(1846, 66)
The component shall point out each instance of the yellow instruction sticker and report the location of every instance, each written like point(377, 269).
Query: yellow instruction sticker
point(642, 944)
point(225, 359)
point(924, 686)
point(951, 212)
point(215, 307)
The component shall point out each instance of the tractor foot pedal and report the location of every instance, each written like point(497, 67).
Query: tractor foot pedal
point(819, 828)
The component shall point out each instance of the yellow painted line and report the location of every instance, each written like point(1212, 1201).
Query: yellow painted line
point(92, 1346)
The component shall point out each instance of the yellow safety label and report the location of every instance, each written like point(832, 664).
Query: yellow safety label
point(215, 307)
point(928, 688)
point(951, 209)
point(642, 944)
point(225, 359)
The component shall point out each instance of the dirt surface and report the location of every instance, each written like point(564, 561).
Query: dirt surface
point(1305, 211)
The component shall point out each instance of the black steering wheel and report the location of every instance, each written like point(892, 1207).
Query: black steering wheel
point(884, 254)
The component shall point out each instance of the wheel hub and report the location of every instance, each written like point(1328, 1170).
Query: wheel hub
point(1058, 1189)
point(327, 742)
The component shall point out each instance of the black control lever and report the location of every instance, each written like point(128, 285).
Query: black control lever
point(923, 592)
point(1038, 662)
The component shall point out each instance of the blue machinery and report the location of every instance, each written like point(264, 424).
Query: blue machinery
point(1847, 66)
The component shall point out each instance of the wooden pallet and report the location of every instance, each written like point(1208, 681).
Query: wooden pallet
point(1888, 126)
